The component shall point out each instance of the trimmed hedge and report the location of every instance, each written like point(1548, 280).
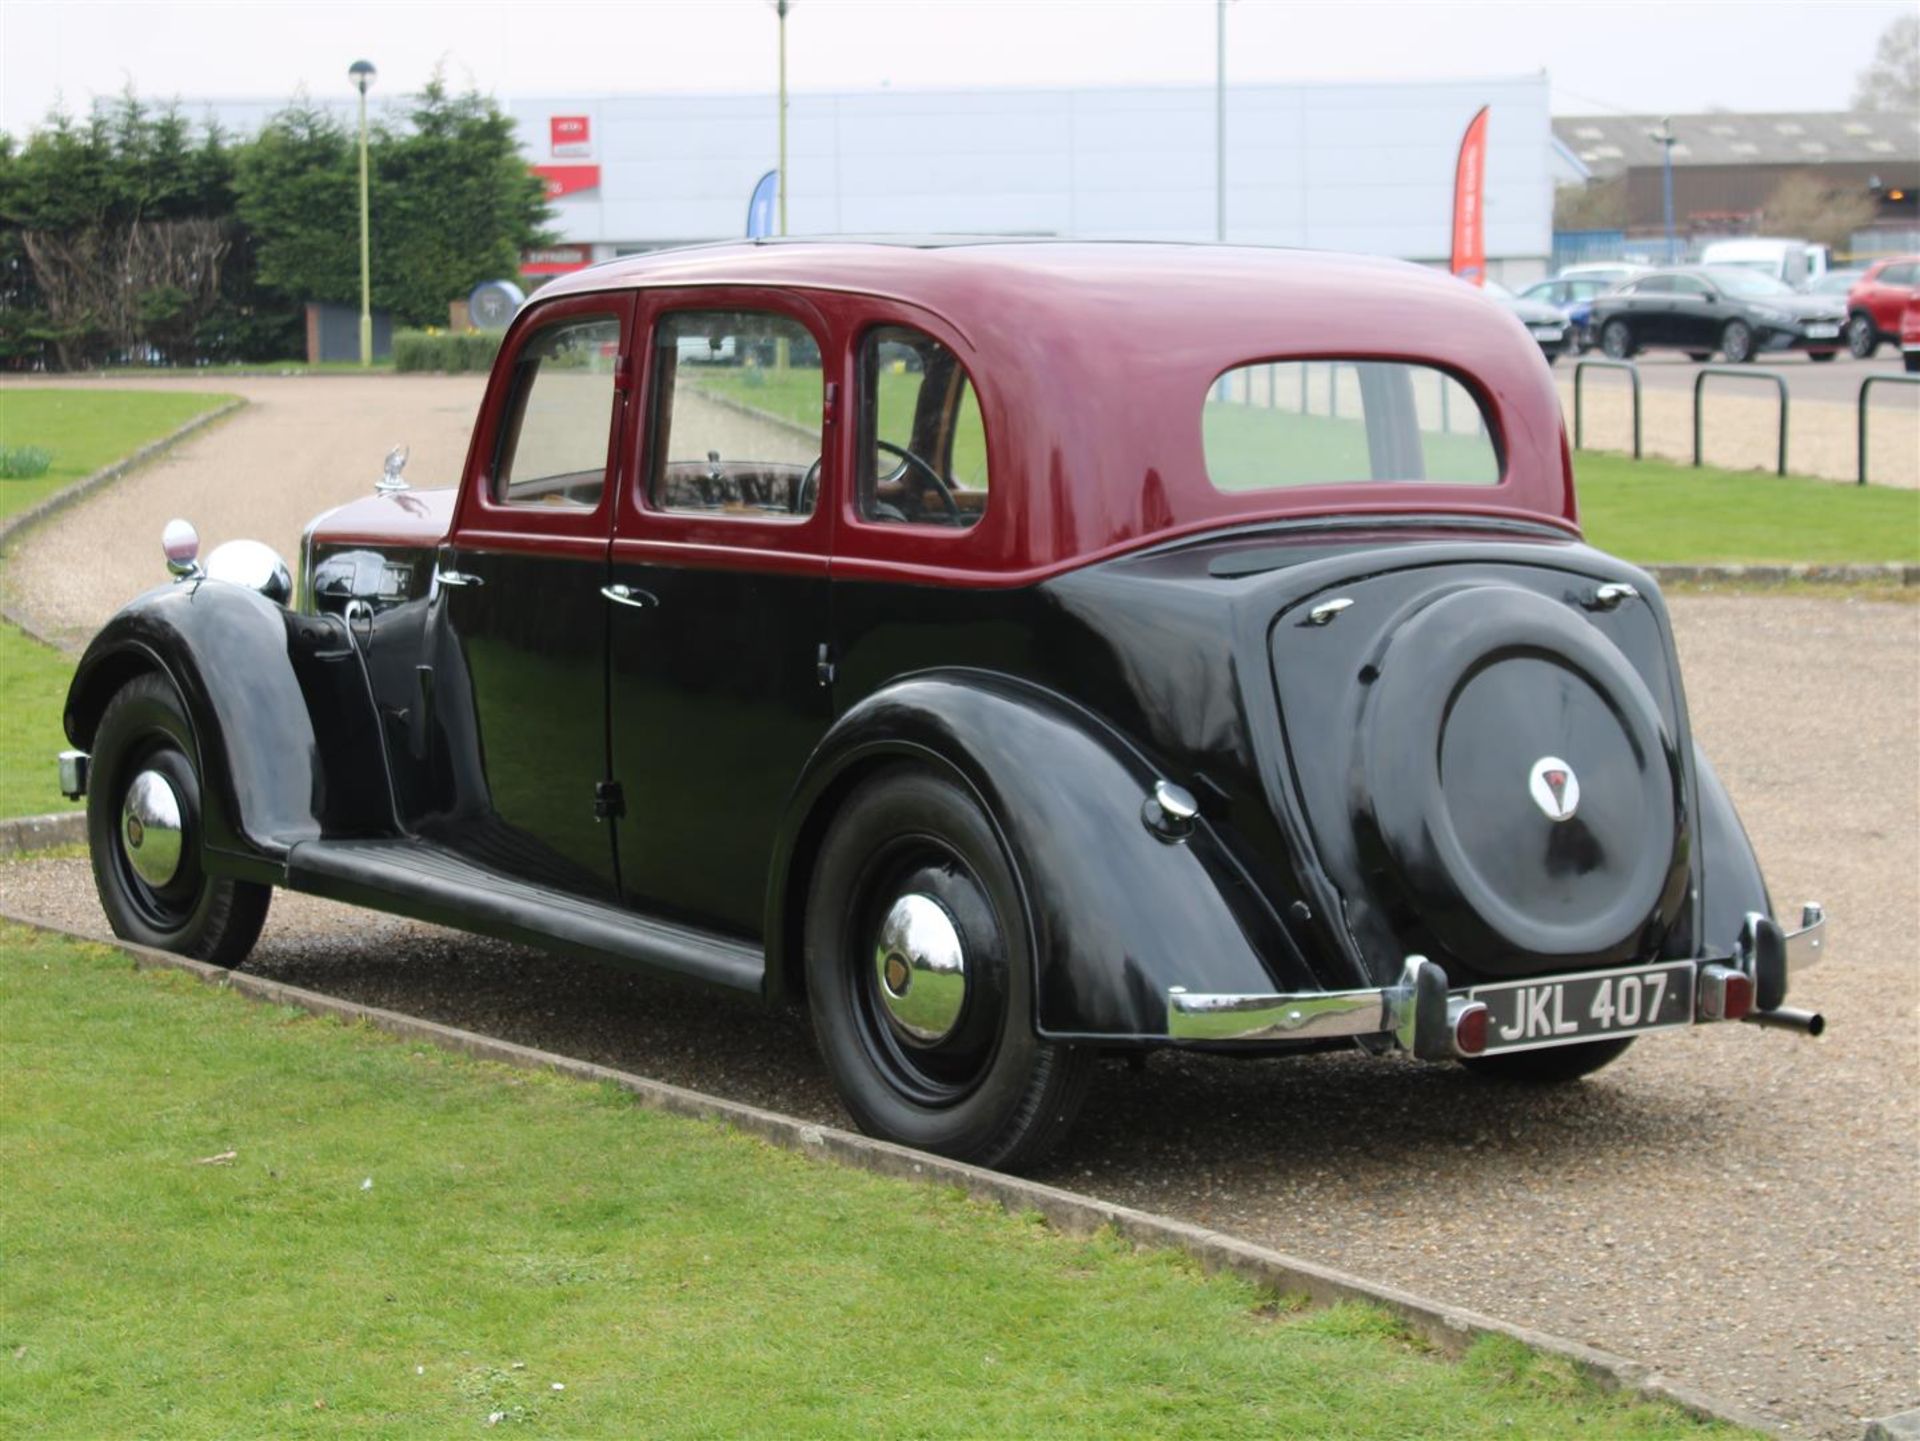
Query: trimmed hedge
point(472, 350)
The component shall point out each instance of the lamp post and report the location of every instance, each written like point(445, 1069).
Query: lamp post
point(1663, 137)
point(361, 73)
point(1220, 121)
point(780, 9)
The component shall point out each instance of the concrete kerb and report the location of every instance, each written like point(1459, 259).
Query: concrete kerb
point(1449, 1329)
point(39, 833)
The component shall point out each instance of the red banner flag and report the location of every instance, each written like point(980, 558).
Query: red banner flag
point(1469, 198)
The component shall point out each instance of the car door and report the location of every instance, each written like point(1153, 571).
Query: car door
point(1649, 309)
point(1695, 314)
point(519, 630)
point(1887, 297)
point(719, 677)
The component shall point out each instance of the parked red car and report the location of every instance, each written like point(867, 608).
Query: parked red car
point(1875, 303)
point(1910, 332)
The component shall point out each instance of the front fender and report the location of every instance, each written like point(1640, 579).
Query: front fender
point(1118, 915)
point(283, 720)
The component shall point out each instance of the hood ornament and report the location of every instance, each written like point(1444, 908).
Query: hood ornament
point(391, 479)
point(1554, 788)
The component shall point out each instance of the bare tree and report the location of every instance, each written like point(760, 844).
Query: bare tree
point(1892, 81)
point(1805, 205)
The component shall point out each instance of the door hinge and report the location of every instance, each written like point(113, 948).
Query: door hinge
point(609, 801)
point(823, 664)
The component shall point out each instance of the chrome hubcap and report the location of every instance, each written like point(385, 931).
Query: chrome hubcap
point(150, 828)
point(922, 969)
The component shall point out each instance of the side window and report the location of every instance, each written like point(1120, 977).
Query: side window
point(1687, 285)
point(923, 445)
point(1899, 274)
point(736, 414)
point(1655, 285)
point(552, 449)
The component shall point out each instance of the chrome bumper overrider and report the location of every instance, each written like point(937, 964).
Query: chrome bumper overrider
point(1420, 1014)
point(73, 774)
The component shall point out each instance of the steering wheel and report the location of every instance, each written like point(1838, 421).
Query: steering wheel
point(912, 462)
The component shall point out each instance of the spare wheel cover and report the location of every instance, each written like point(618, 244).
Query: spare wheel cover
point(1479, 699)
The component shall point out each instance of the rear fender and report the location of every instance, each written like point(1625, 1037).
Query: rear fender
point(284, 723)
point(1731, 886)
point(1118, 916)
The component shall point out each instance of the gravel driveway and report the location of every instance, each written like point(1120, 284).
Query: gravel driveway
point(1740, 1206)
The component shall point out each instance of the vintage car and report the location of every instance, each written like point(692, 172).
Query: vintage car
point(1022, 652)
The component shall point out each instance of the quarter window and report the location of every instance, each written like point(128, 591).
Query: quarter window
point(736, 424)
point(553, 441)
point(1337, 422)
point(923, 448)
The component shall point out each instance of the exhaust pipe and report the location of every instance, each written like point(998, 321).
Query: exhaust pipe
point(1788, 1019)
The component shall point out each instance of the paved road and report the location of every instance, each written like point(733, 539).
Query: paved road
point(1738, 1206)
point(1837, 380)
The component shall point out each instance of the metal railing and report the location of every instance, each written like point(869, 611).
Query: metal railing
point(1739, 373)
point(1860, 413)
point(1580, 368)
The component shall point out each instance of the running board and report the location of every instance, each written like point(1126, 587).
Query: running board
point(429, 883)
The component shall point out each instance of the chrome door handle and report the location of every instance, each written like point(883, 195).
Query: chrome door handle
point(629, 595)
point(457, 577)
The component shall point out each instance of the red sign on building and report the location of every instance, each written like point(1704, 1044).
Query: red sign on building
point(555, 260)
point(570, 135)
point(565, 180)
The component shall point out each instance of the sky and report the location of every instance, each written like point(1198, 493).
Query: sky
point(1631, 56)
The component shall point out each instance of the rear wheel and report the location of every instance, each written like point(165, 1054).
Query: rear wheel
point(144, 830)
point(1616, 339)
point(1554, 1066)
point(1862, 339)
point(920, 980)
point(1736, 342)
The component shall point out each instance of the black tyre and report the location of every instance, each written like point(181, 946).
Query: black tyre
point(1699, 356)
point(1553, 1066)
point(1616, 339)
point(1817, 356)
point(144, 829)
point(1736, 342)
point(920, 980)
point(1862, 339)
point(1912, 361)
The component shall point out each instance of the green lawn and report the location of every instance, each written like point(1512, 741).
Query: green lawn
point(225, 1219)
point(1651, 511)
point(85, 429)
point(33, 690)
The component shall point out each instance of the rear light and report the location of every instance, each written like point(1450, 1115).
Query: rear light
point(1468, 1022)
point(1725, 994)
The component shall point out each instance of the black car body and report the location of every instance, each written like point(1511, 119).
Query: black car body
point(1703, 309)
point(1016, 674)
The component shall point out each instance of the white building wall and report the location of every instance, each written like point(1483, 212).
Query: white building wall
point(1343, 167)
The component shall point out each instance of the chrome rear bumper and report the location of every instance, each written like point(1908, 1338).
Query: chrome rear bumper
point(1420, 1015)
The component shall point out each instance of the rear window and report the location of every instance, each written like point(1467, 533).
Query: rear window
point(1340, 422)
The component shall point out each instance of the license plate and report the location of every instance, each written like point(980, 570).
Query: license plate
point(1548, 332)
point(1527, 1015)
point(1822, 332)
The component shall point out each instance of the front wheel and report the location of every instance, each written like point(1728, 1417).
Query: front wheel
point(1616, 339)
point(920, 980)
point(1862, 339)
point(1551, 1066)
point(144, 814)
point(1736, 342)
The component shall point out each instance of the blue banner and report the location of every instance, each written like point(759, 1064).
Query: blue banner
point(760, 208)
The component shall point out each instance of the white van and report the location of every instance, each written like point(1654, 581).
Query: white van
point(1797, 262)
